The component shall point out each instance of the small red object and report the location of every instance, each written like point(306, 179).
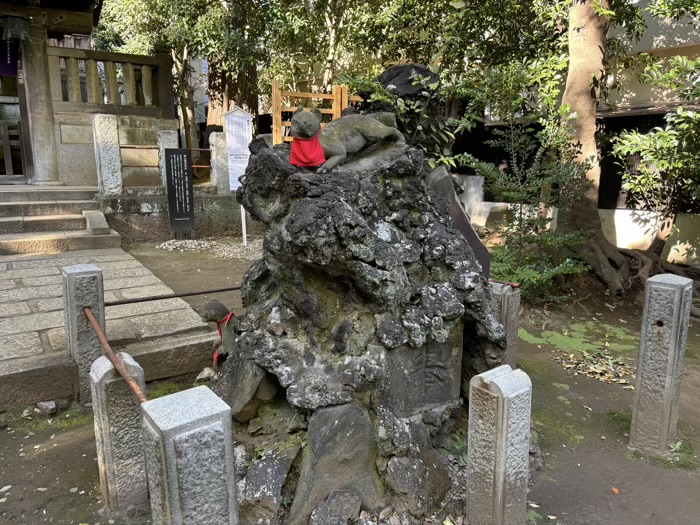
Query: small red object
point(224, 322)
point(307, 152)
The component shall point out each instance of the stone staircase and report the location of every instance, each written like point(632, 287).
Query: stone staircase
point(41, 219)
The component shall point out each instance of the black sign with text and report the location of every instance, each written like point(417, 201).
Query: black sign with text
point(178, 169)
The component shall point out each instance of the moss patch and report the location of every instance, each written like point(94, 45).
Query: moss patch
point(621, 420)
point(26, 420)
point(681, 456)
point(555, 429)
point(164, 388)
point(584, 337)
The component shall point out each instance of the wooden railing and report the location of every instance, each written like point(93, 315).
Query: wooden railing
point(338, 100)
point(100, 82)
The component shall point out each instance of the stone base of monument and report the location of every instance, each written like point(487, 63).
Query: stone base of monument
point(364, 319)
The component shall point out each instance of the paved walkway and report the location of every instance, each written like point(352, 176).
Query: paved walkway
point(31, 322)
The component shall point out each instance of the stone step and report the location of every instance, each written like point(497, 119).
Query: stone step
point(42, 223)
point(43, 193)
point(55, 242)
point(51, 375)
point(33, 208)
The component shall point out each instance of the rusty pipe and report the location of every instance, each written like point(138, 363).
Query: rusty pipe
point(133, 385)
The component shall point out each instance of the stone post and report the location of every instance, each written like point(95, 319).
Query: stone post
point(167, 139)
point(219, 163)
point(37, 86)
point(506, 302)
point(473, 194)
point(660, 362)
point(189, 459)
point(82, 287)
point(105, 129)
point(118, 434)
point(499, 445)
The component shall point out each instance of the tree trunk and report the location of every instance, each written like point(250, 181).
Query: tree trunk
point(587, 40)
point(185, 99)
point(218, 101)
point(245, 89)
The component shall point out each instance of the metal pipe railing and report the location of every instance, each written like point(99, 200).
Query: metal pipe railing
point(170, 296)
point(130, 381)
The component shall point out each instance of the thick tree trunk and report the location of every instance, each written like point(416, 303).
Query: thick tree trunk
point(587, 40)
point(245, 89)
point(218, 101)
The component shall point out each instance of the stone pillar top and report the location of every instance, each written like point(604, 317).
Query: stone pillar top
point(171, 413)
point(79, 269)
point(502, 379)
point(670, 279)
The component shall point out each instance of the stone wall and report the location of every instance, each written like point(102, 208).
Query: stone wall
point(75, 148)
point(141, 214)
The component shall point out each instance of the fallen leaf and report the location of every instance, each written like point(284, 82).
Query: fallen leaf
point(615, 491)
point(534, 505)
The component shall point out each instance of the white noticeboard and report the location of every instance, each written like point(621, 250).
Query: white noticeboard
point(239, 135)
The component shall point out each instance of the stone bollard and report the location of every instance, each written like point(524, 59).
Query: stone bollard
point(660, 362)
point(219, 163)
point(499, 445)
point(188, 444)
point(506, 303)
point(82, 287)
point(118, 434)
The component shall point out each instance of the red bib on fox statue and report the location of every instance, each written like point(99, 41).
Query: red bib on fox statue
point(307, 152)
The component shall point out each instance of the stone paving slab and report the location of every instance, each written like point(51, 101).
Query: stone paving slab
point(167, 334)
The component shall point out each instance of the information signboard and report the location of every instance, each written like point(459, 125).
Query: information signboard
point(178, 169)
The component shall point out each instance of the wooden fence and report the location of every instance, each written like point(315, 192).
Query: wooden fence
point(87, 81)
point(288, 102)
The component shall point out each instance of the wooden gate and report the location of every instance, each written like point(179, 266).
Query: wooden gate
point(284, 102)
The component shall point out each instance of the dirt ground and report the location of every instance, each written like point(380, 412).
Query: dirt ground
point(589, 475)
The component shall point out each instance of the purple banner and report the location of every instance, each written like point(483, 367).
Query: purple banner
point(10, 57)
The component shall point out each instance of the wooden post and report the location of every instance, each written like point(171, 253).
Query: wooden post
point(276, 112)
point(129, 84)
point(6, 149)
point(111, 84)
point(344, 97)
point(166, 96)
point(92, 82)
point(337, 102)
point(39, 103)
point(147, 85)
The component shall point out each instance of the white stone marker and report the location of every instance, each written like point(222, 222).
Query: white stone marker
point(118, 434)
point(660, 363)
point(499, 446)
point(105, 131)
point(219, 163)
point(83, 287)
point(167, 139)
point(189, 459)
point(506, 302)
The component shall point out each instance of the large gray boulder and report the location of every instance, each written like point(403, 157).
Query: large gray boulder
point(368, 311)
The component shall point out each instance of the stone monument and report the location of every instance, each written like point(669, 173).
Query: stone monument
point(366, 317)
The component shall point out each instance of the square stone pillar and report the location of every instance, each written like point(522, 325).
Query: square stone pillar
point(219, 163)
point(506, 303)
point(82, 288)
point(105, 130)
point(37, 86)
point(499, 446)
point(188, 444)
point(167, 139)
point(118, 434)
point(660, 362)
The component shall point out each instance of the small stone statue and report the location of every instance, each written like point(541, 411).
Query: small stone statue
point(306, 148)
point(339, 139)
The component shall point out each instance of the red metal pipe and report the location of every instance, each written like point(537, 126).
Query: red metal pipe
point(133, 385)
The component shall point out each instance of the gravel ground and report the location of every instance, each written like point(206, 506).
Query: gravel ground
point(225, 250)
